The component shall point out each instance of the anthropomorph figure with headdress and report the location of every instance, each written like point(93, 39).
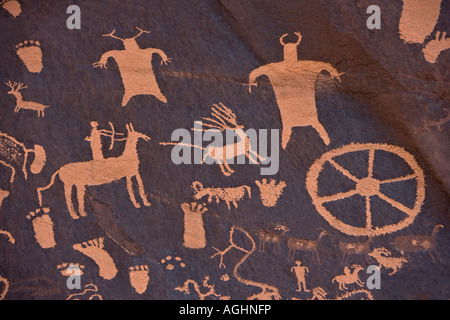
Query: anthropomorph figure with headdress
point(135, 65)
point(293, 82)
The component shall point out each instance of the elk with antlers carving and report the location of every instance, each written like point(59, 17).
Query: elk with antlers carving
point(20, 103)
point(135, 65)
point(222, 119)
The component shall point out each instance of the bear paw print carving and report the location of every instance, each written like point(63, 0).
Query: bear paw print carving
point(43, 227)
point(30, 53)
point(170, 262)
point(139, 278)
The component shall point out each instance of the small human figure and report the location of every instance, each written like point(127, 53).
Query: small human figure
point(300, 272)
point(96, 140)
point(293, 82)
point(135, 65)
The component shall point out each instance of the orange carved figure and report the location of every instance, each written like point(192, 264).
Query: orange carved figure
point(95, 250)
point(5, 289)
point(418, 19)
point(293, 82)
point(12, 6)
point(210, 293)
point(96, 142)
point(135, 65)
point(43, 227)
point(14, 155)
point(90, 292)
point(270, 191)
point(69, 269)
point(416, 243)
point(268, 292)
point(300, 273)
point(194, 230)
point(384, 259)
point(20, 103)
point(433, 49)
point(102, 171)
point(30, 53)
point(4, 194)
point(139, 278)
point(349, 277)
point(228, 195)
point(368, 187)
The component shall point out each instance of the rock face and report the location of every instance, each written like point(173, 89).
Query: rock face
point(351, 124)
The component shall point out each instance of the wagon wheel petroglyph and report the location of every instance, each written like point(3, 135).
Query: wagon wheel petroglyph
point(368, 187)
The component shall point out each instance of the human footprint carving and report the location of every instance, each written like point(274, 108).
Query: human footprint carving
point(194, 230)
point(30, 53)
point(434, 48)
point(139, 278)
point(69, 269)
point(43, 227)
point(135, 65)
point(95, 250)
point(12, 6)
point(170, 263)
point(270, 191)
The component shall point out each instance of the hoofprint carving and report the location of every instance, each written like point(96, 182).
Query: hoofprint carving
point(135, 65)
point(228, 195)
point(99, 172)
point(20, 103)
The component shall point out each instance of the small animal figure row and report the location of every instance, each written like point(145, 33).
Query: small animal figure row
point(405, 244)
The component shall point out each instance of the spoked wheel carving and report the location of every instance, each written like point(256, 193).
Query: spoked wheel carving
point(367, 187)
